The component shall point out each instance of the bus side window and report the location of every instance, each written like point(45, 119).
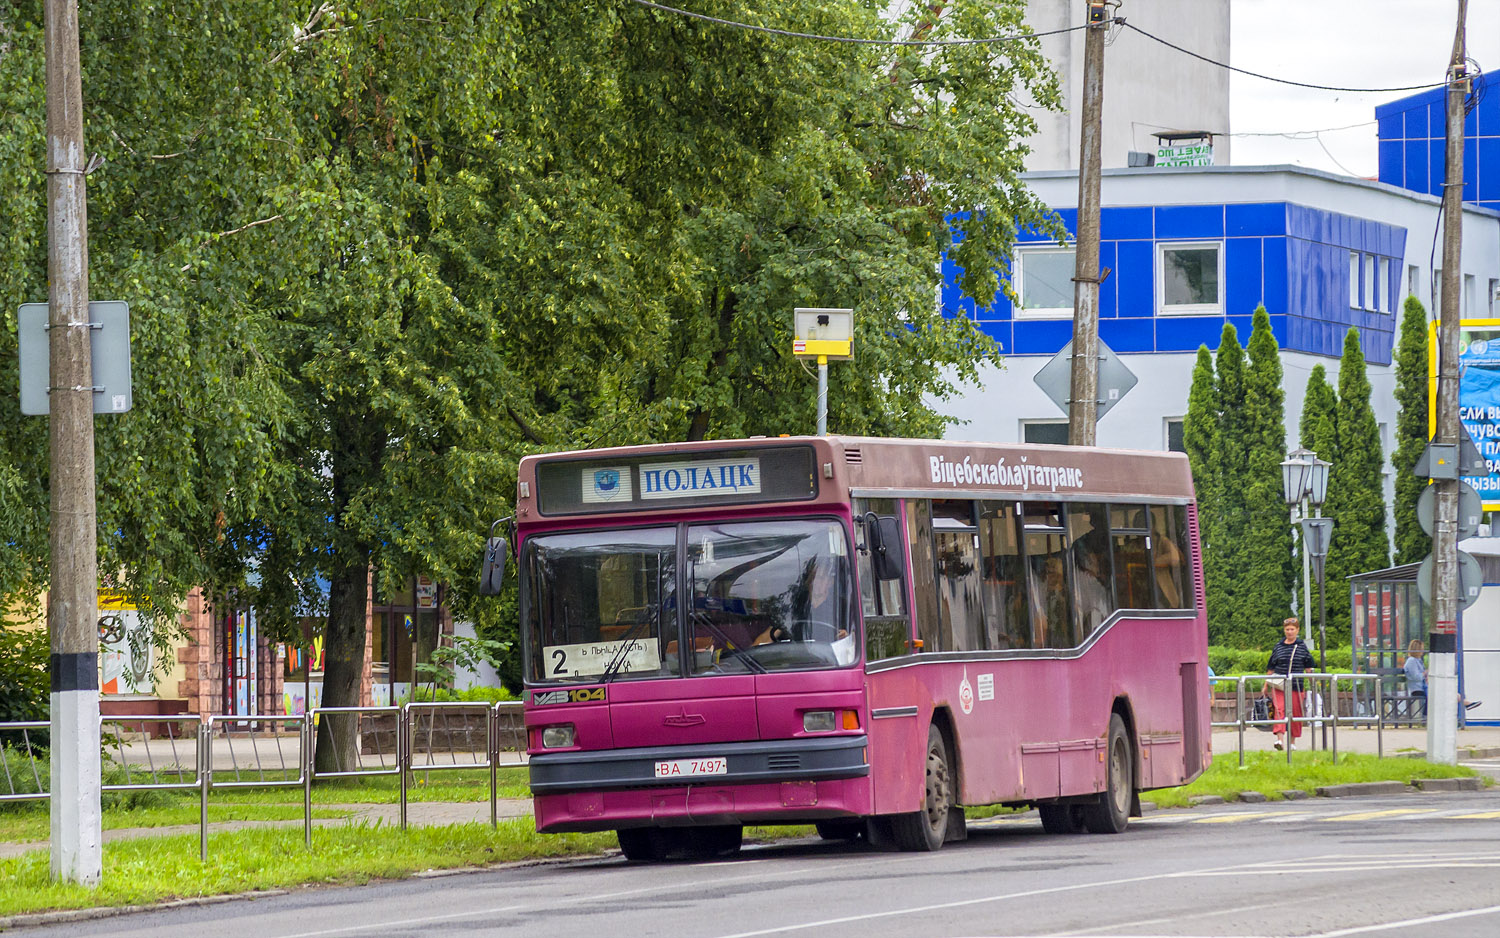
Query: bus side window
point(956, 545)
point(1169, 556)
point(1093, 590)
point(923, 571)
point(1007, 621)
point(882, 602)
point(1127, 525)
point(1047, 572)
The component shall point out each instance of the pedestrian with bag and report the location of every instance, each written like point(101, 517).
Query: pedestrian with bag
point(1290, 656)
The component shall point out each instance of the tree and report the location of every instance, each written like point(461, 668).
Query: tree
point(1412, 543)
point(379, 250)
point(1233, 468)
point(1265, 557)
point(1318, 431)
point(1200, 437)
point(1356, 499)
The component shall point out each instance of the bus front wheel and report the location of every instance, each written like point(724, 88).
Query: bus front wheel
point(1112, 812)
point(645, 844)
point(925, 830)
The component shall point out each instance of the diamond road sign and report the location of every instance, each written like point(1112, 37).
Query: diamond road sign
point(1115, 380)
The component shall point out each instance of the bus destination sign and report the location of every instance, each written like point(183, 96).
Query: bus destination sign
point(701, 477)
point(782, 473)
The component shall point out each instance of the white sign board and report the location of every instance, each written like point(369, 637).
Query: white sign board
point(1186, 154)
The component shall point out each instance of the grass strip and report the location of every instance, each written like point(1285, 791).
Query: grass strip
point(35, 824)
point(1269, 774)
point(160, 869)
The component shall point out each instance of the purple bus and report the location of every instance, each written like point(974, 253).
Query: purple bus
point(861, 634)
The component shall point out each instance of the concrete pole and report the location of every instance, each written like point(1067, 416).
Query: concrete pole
point(1083, 403)
point(1442, 674)
point(72, 596)
point(822, 395)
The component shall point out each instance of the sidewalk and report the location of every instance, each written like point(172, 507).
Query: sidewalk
point(1403, 741)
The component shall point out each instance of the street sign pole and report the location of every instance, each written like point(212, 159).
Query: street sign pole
point(72, 596)
point(1442, 679)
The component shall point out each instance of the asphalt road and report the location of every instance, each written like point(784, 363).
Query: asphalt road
point(1410, 865)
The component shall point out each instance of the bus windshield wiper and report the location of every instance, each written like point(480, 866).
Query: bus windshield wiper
point(622, 654)
point(741, 654)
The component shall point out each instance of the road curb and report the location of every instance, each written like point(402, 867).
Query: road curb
point(1356, 789)
point(1470, 783)
point(63, 916)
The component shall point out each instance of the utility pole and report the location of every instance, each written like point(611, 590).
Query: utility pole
point(72, 596)
point(1442, 679)
point(1083, 403)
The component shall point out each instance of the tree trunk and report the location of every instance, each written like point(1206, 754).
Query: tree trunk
point(698, 423)
point(356, 454)
point(343, 667)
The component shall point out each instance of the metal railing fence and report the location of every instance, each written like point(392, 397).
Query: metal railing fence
point(227, 752)
point(1323, 698)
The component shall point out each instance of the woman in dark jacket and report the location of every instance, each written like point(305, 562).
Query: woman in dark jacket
point(1289, 656)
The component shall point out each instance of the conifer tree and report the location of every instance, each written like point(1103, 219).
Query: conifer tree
point(1412, 543)
point(1318, 431)
point(1355, 491)
point(1200, 437)
point(1264, 567)
point(1229, 507)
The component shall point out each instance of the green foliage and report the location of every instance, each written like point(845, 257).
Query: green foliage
point(468, 695)
point(1234, 436)
point(379, 251)
point(1200, 437)
point(1356, 499)
point(1270, 774)
point(466, 652)
point(1412, 543)
point(24, 685)
point(1227, 661)
point(1265, 558)
point(1319, 433)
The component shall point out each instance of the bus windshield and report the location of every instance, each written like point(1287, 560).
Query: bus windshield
point(765, 596)
point(769, 596)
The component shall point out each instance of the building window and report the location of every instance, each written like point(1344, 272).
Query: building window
point(1174, 435)
point(1437, 290)
point(1354, 279)
point(1468, 296)
point(1383, 286)
point(1490, 296)
point(1044, 281)
point(1045, 431)
point(1191, 277)
point(1413, 287)
point(1372, 296)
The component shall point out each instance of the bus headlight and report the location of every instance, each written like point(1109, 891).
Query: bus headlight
point(818, 721)
point(557, 737)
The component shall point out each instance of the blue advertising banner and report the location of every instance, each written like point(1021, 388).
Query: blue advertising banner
point(1478, 398)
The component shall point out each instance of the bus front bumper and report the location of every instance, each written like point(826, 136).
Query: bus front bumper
point(777, 781)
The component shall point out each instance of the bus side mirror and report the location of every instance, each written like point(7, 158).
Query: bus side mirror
point(492, 574)
point(884, 536)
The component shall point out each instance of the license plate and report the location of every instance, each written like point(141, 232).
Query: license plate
point(686, 768)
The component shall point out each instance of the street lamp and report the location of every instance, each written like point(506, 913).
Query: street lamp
point(1304, 481)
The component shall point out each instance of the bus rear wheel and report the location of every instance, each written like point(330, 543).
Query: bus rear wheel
point(925, 830)
point(1112, 812)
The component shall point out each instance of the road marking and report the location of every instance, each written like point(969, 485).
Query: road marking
point(1259, 906)
point(1247, 816)
point(1484, 815)
point(1428, 920)
point(1371, 815)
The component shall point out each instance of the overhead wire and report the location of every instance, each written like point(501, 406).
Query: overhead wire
point(1281, 81)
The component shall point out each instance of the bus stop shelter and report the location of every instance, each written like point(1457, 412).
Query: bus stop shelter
point(1387, 612)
